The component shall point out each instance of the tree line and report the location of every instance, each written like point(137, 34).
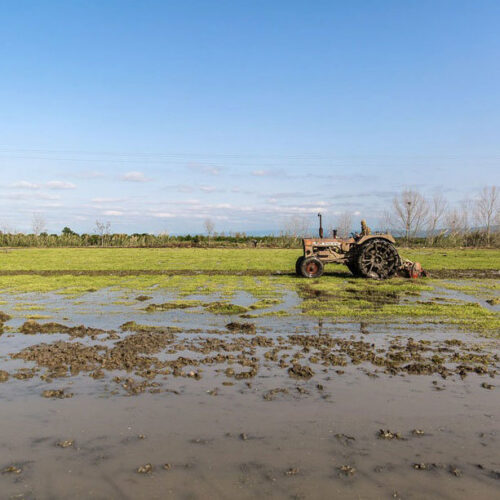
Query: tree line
point(411, 217)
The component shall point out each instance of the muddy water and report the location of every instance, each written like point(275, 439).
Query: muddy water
point(267, 435)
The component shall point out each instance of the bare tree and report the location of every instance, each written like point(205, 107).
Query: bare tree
point(38, 224)
point(437, 210)
point(465, 210)
point(486, 208)
point(103, 230)
point(209, 227)
point(410, 211)
point(457, 219)
point(453, 222)
point(295, 226)
point(344, 224)
point(6, 228)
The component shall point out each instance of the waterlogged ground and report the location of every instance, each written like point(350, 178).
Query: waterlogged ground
point(236, 385)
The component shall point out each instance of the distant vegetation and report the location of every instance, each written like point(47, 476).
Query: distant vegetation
point(472, 239)
point(414, 220)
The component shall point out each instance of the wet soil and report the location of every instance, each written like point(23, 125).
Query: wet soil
point(146, 405)
point(435, 273)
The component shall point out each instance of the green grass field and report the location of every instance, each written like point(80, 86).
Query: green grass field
point(171, 259)
point(337, 296)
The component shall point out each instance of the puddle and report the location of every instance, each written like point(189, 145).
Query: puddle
point(189, 404)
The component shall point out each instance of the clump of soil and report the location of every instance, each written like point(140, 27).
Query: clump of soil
point(485, 385)
point(12, 469)
point(347, 470)
point(56, 394)
point(386, 434)
point(426, 466)
point(134, 387)
point(67, 443)
point(145, 469)
point(300, 371)
point(4, 376)
point(247, 328)
point(272, 393)
point(143, 298)
point(32, 327)
point(4, 317)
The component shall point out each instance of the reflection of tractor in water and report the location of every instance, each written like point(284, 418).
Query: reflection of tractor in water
point(365, 254)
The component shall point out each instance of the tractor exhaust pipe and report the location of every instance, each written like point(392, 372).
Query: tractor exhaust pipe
point(320, 225)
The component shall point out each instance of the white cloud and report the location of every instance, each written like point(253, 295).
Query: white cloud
point(31, 196)
point(163, 215)
point(208, 189)
point(114, 213)
point(49, 185)
point(135, 176)
point(26, 185)
point(60, 185)
point(106, 200)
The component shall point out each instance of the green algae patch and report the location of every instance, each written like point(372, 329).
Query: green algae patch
point(265, 303)
point(280, 313)
point(466, 316)
point(132, 326)
point(28, 307)
point(225, 308)
point(177, 304)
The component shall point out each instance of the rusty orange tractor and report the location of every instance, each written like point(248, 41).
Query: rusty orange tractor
point(365, 254)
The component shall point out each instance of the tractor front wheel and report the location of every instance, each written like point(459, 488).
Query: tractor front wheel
point(311, 267)
point(298, 264)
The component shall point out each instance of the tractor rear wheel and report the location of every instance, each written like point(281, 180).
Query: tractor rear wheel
point(298, 264)
point(311, 267)
point(378, 259)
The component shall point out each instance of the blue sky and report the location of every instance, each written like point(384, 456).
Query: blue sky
point(155, 115)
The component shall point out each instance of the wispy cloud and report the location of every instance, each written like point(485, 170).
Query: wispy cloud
point(60, 185)
point(107, 200)
point(208, 189)
point(31, 196)
point(113, 213)
point(163, 215)
point(206, 169)
point(49, 185)
point(25, 185)
point(135, 176)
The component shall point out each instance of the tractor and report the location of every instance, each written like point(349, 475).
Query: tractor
point(365, 254)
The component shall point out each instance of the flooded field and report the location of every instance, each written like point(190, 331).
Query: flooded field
point(265, 387)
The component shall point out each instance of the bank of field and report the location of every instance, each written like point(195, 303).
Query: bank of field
point(264, 274)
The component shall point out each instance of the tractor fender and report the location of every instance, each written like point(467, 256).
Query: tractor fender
point(368, 237)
